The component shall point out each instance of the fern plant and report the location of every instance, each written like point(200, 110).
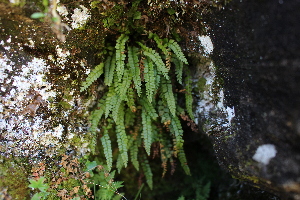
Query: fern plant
point(140, 107)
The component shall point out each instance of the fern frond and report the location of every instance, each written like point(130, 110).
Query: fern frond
point(93, 75)
point(147, 171)
point(110, 65)
point(156, 58)
point(160, 44)
point(147, 131)
point(120, 163)
point(134, 154)
point(166, 153)
point(111, 100)
point(120, 55)
point(188, 95)
point(163, 112)
point(116, 106)
point(149, 79)
point(177, 50)
point(106, 143)
point(123, 85)
point(109, 68)
point(182, 158)
point(97, 114)
point(202, 192)
point(168, 95)
point(122, 139)
point(133, 62)
point(129, 118)
point(130, 99)
point(148, 107)
point(176, 129)
point(178, 68)
point(181, 198)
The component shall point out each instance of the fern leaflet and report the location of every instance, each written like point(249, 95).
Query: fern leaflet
point(149, 79)
point(147, 171)
point(96, 115)
point(122, 139)
point(111, 101)
point(155, 57)
point(148, 107)
point(177, 50)
point(177, 130)
point(147, 131)
point(178, 68)
point(123, 86)
point(120, 55)
point(93, 75)
point(168, 95)
point(183, 161)
point(133, 62)
point(106, 143)
point(134, 154)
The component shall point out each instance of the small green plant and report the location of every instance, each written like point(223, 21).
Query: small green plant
point(41, 186)
point(100, 177)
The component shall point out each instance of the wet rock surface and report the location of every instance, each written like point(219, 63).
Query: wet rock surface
point(257, 56)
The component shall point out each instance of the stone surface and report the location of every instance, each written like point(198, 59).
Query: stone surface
point(256, 53)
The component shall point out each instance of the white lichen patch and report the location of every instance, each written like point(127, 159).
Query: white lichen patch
point(207, 44)
point(265, 153)
point(212, 100)
point(29, 121)
point(62, 10)
point(80, 17)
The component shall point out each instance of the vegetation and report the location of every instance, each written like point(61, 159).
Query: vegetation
point(143, 91)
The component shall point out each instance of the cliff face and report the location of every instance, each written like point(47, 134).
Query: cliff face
point(256, 53)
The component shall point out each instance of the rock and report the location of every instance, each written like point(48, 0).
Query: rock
point(256, 54)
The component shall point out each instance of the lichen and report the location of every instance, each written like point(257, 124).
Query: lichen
point(211, 94)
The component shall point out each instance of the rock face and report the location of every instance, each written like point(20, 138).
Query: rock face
point(256, 52)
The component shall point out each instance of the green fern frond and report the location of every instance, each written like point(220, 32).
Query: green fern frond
point(168, 95)
point(109, 67)
point(177, 50)
point(178, 68)
point(176, 129)
point(119, 163)
point(160, 44)
point(149, 79)
point(93, 75)
point(156, 58)
point(182, 158)
point(134, 154)
point(147, 171)
point(111, 100)
point(130, 99)
point(202, 192)
point(120, 55)
point(115, 111)
point(122, 139)
point(97, 114)
point(123, 85)
point(148, 107)
point(147, 131)
point(106, 143)
point(181, 198)
point(163, 112)
point(133, 62)
point(166, 152)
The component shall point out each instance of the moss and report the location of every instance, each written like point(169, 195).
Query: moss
point(14, 177)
